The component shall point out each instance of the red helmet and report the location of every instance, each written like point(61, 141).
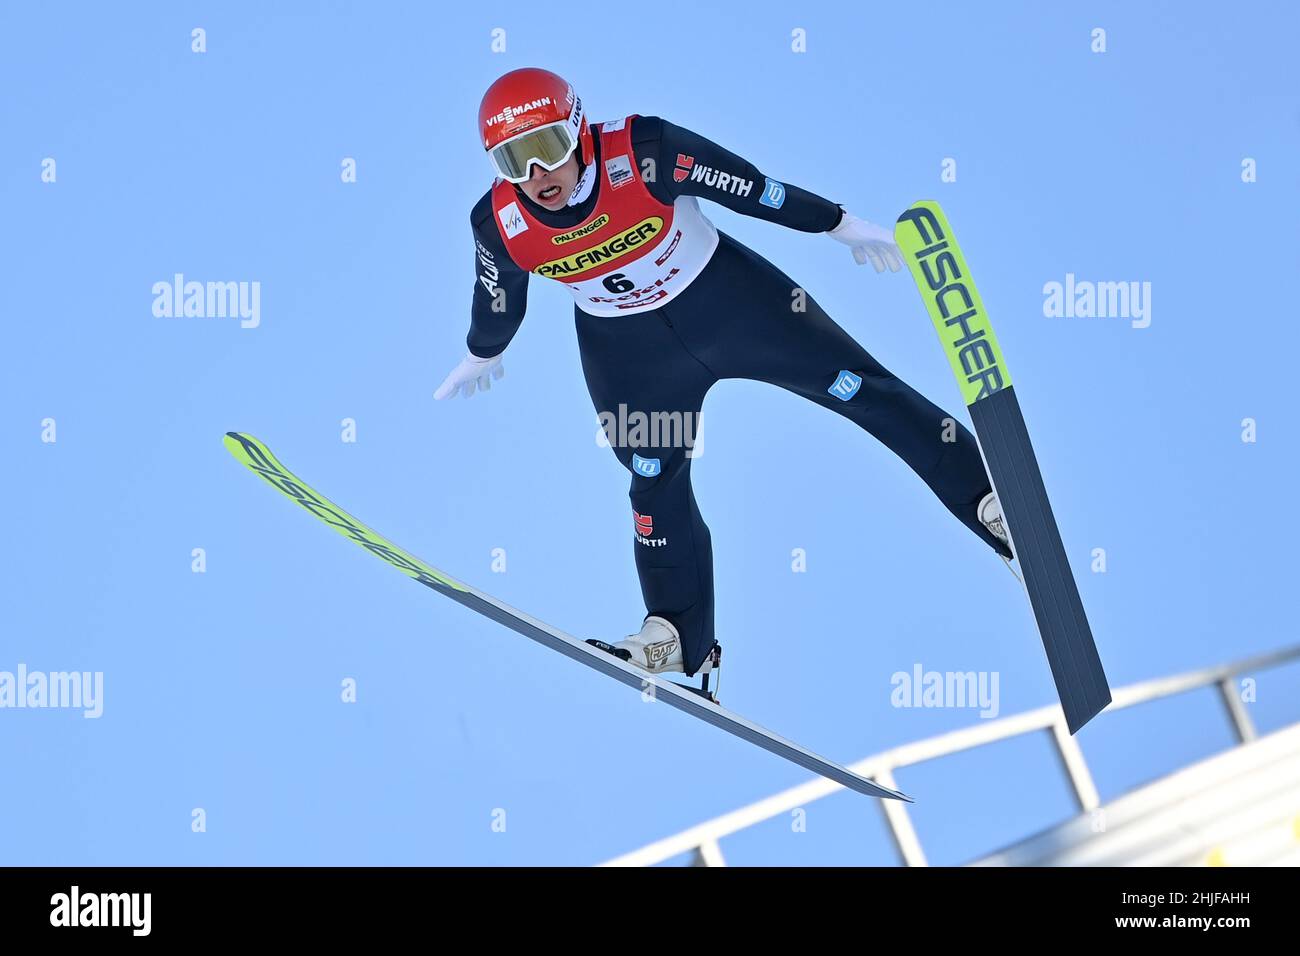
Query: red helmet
point(532, 116)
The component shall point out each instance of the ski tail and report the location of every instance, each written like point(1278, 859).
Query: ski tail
point(954, 305)
point(1067, 638)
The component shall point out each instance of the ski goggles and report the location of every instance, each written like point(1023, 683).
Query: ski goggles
point(548, 146)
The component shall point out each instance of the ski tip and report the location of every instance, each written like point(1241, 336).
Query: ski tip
point(919, 204)
point(235, 442)
point(918, 228)
point(241, 444)
point(250, 451)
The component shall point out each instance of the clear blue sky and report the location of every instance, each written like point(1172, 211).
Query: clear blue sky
point(222, 689)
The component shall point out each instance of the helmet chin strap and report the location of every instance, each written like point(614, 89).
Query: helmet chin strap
point(582, 189)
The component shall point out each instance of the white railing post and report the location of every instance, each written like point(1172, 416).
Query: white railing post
point(702, 840)
point(1076, 768)
point(708, 854)
point(900, 824)
point(1241, 722)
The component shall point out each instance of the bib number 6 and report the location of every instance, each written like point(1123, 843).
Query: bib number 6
point(618, 283)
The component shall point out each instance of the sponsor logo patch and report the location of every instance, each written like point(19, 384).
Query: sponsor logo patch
point(618, 170)
point(657, 653)
point(645, 527)
point(488, 271)
point(510, 112)
point(593, 257)
point(598, 223)
point(661, 294)
point(669, 251)
point(773, 194)
point(645, 467)
point(512, 220)
point(683, 167)
point(633, 300)
point(846, 385)
point(717, 179)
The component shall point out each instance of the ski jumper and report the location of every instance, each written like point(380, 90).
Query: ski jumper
point(665, 307)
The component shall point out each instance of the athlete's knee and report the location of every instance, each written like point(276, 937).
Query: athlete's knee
point(653, 467)
point(864, 387)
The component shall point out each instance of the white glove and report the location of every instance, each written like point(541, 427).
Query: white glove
point(471, 371)
point(868, 241)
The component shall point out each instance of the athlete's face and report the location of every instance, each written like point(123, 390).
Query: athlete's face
point(551, 190)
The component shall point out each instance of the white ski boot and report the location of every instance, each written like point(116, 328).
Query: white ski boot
point(656, 648)
point(990, 515)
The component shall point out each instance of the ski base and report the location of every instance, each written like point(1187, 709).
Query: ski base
point(1067, 638)
point(622, 655)
point(258, 458)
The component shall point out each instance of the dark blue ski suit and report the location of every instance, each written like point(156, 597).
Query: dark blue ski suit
point(740, 318)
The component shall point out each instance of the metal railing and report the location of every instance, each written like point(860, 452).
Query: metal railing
point(703, 840)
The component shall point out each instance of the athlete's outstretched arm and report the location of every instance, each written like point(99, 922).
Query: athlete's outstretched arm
point(686, 164)
point(499, 302)
point(500, 287)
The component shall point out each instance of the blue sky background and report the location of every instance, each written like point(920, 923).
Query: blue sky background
point(222, 689)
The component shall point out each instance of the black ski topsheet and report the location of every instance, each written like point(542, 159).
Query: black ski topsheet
point(258, 458)
point(1067, 638)
point(954, 305)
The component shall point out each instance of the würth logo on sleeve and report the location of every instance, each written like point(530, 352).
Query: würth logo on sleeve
point(683, 168)
point(717, 179)
point(645, 526)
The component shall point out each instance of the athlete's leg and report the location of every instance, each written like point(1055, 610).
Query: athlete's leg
point(772, 331)
point(648, 390)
